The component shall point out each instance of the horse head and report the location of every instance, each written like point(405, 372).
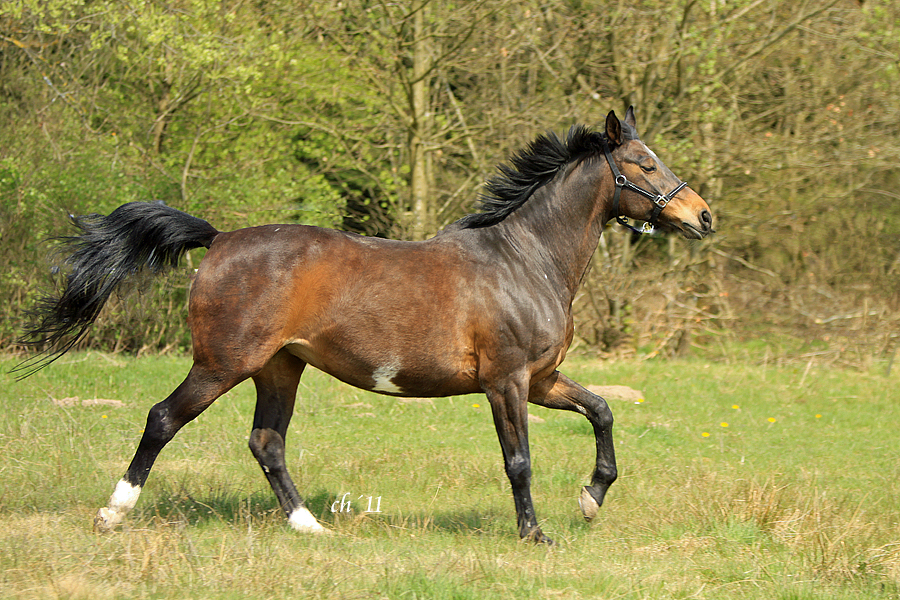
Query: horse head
point(646, 189)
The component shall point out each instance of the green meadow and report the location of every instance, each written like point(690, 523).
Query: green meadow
point(737, 480)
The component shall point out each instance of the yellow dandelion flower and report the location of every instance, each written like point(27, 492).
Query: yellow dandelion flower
point(818, 416)
point(735, 406)
point(705, 434)
point(476, 406)
point(772, 419)
point(723, 424)
point(103, 416)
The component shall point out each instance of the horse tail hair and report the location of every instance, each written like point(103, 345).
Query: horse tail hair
point(136, 237)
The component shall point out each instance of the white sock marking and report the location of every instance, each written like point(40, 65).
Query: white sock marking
point(124, 497)
point(303, 520)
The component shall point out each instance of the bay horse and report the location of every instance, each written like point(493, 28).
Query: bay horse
point(485, 306)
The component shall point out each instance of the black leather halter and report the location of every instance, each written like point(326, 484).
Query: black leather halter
point(659, 201)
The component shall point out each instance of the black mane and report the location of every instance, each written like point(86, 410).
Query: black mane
point(528, 170)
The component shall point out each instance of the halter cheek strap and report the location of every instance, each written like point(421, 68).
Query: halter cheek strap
point(659, 200)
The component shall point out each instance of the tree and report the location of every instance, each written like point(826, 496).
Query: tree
point(385, 118)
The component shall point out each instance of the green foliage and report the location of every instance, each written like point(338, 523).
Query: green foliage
point(783, 115)
point(34, 204)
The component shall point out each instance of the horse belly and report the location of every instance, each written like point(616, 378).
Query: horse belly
point(395, 346)
point(385, 317)
point(386, 370)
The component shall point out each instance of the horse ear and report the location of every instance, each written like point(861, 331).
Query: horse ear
point(614, 129)
point(629, 118)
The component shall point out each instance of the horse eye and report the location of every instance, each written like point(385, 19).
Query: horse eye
point(648, 168)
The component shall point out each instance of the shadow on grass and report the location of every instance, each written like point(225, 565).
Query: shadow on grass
point(326, 505)
point(236, 507)
point(192, 508)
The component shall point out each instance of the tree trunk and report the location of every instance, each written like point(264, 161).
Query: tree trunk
point(419, 130)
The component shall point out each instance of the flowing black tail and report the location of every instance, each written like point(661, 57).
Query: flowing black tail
point(134, 237)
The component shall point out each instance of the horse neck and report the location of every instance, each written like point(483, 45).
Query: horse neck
point(559, 227)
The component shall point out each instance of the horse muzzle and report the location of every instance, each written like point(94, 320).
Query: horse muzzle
point(699, 228)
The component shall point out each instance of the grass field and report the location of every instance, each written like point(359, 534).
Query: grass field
point(736, 481)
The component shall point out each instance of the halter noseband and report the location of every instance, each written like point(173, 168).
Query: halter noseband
point(659, 201)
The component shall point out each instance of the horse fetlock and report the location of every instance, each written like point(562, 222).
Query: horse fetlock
point(604, 476)
point(107, 519)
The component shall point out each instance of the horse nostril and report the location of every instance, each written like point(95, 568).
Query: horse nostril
point(706, 219)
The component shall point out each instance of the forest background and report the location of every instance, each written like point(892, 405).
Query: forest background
point(385, 118)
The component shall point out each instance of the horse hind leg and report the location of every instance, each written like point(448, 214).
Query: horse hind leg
point(199, 390)
point(276, 389)
point(560, 392)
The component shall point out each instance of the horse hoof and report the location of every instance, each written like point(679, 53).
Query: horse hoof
point(107, 519)
point(589, 506)
point(537, 536)
point(303, 521)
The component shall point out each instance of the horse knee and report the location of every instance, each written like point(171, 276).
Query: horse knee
point(518, 469)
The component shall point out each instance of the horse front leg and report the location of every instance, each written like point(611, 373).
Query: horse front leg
point(510, 412)
point(560, 392)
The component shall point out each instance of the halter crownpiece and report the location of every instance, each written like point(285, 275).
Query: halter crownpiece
point(659, 200)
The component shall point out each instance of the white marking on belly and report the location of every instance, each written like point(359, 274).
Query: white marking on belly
point(303, 520)
point(383, 377)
